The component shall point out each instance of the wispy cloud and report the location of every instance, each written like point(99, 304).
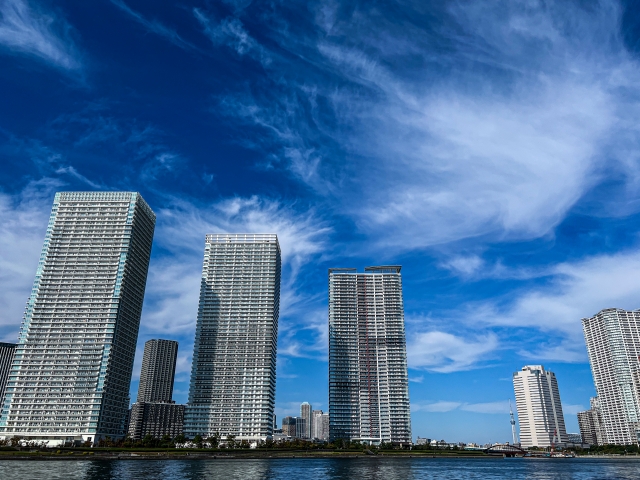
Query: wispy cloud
point(232, 33)
point(28, 30)
point(155, 26)
point(447, 406)
point(518, 127)
point(23, 223)
point(574, 290)
point(444, 352)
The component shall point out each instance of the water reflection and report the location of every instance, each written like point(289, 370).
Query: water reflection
point(373, 468)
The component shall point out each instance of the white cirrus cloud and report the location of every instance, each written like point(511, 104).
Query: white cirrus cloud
point(23, 224)
point(444, 352)
point(28, 30)
point(449, 406)
point(498, 135)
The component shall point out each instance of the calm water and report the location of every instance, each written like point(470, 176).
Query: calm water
point(311, 469)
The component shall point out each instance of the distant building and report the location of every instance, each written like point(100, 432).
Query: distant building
point(423, 441)
point(6, 357)
point(155, 413)
point(77, 342)
point(156, 419)
point(574, 438)
point(539, 408)
point(320, 425)
point(289, 426)
point(590, 423)
point(368, 382)
point(305, 412)
point(301, 427)
point(613, 344)
point(158, 371)
point(233, 374)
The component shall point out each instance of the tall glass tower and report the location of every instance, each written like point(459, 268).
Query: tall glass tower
point(368, 381)
point(613, 345)
point(233, 375)
point(74, 358)
point(158, 371)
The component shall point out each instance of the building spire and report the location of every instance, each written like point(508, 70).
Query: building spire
point(513, 425)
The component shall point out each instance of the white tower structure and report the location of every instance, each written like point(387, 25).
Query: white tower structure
point(513, 425)
point(613, 344)
point(74, 358)
point(539, 407)
point(233, 375)
point(368, 382)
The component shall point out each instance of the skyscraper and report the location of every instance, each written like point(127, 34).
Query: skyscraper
point(305, 412)
point(154, 412)
point(158, 371)
point(539, 407)
point(233, 375)
point(368, 383)
point(72, 366)
point(6, 357)
point(320, 425)
point(613, 344)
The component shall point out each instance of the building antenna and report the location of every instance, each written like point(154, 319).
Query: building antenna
point(513, 425)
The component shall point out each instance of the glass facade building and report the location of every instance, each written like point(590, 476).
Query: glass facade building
point(158, 371)
point(72, 367)
point(368, 381)
point(6, 358)
point(233, 374)
point(613, 344)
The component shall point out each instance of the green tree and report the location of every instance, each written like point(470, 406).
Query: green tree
point(231, 441)
point(198, 441)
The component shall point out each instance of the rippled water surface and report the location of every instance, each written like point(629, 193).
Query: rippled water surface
point(311, 469)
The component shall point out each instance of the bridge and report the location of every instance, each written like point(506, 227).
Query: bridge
point(505, 450)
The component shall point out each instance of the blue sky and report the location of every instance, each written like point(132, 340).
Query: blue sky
point(490, 148)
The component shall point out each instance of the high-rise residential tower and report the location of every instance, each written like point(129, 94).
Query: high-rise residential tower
point(613, 344)
point(305, 412)
point(6, 357)
point(539, 408)
point(72, 366)
point(590, 423)
point(233, 375)
point(158, 371)
point(320, 425)
point(368, 382)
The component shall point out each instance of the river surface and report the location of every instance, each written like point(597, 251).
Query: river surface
point(334, 468)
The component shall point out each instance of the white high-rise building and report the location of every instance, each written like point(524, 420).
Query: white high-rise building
point(613, 344)
point(368, 382)
point(74, 358)
point(233, 375)
point(539, 408)
point(305, 412)
point(320, 425)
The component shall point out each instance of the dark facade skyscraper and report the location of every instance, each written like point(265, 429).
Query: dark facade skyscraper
point(233, 375)
point(158, 371)
point(154, 412)
point(6, 357)
point(72, 367)
point(368, 381)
